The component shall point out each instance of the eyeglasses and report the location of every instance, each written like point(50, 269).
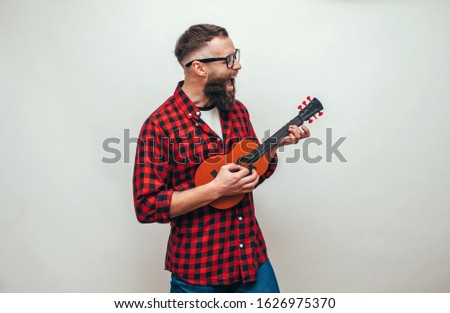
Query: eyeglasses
point(229, 59)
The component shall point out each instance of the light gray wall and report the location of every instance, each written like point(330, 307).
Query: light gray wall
point(74, 73)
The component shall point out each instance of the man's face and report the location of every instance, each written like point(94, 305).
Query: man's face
point(220, 83)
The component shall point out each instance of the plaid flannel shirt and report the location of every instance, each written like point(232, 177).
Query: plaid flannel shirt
point(206, 246)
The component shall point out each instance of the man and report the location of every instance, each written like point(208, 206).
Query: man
point(209, 250)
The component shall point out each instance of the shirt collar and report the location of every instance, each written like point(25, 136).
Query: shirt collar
point(185, 104)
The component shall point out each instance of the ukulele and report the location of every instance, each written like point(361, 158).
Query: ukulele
point(249, 154)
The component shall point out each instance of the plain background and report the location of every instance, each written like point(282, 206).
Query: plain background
point(75, 73)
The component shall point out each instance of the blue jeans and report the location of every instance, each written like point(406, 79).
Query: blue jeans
point(265, 282)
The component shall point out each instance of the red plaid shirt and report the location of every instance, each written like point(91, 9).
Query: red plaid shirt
point(206, 246)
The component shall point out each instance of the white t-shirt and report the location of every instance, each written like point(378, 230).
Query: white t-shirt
point(211, 116)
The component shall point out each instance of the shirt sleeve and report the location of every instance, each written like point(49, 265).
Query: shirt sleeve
point(151, 192)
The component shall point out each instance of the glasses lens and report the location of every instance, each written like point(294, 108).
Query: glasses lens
point(232, 57)
point(230, 61)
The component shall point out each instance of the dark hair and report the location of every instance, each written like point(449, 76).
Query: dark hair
point(196, 37)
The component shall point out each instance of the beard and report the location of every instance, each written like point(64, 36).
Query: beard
point(216, 91)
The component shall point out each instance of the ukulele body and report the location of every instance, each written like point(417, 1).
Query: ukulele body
point(210, 167)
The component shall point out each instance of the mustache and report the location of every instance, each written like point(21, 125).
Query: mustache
point(217, 85)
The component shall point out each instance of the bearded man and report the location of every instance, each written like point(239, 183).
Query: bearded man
point(209, 249)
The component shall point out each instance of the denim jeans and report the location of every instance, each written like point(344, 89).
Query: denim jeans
point(265, 282)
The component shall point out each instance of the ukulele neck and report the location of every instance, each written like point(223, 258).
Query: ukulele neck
point(272, 141)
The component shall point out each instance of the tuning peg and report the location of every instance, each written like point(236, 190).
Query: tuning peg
point(308, 98)
point(310, 121)
point(320, 113)
point(299, 107)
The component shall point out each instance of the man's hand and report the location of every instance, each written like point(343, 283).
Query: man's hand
point(295, 134)
point(234, 179)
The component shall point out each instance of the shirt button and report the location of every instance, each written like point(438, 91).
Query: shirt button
point(196, 124)
point(198, 113)
point(190, 114)
point(218, 139)
point(241, 246)
point(240, 218)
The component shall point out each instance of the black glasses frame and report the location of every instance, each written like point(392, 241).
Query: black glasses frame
point(229, 59)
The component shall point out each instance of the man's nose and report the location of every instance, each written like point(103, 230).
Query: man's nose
point(237, 65)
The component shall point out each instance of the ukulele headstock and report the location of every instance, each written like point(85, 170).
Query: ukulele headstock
point(309, 108)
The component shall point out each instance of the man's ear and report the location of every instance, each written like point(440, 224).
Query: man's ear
point(199, 69)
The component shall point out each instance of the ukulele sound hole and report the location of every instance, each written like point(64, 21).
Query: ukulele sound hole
point(214, 173)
